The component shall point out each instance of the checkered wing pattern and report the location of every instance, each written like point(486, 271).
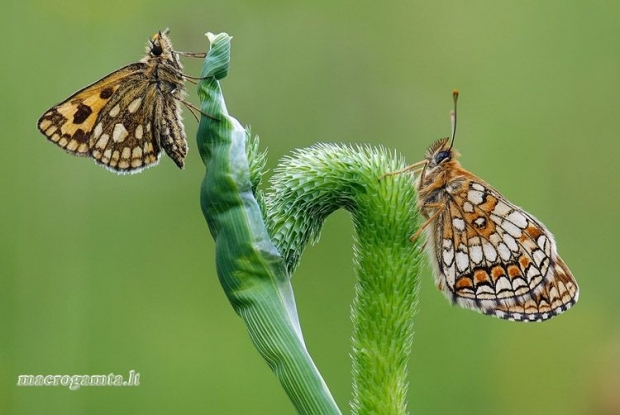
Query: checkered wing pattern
point(494, 257)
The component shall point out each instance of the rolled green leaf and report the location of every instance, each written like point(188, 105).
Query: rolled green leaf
point(250, 268)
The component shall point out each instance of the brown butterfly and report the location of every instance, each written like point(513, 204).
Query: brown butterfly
point(488, 254)
point(124, 120)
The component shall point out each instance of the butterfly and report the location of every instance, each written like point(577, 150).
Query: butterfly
point(125, 119)
point(487, 254)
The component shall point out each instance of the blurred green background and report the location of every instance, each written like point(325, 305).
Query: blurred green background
point(101, 273)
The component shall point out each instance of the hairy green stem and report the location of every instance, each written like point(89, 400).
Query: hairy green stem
point(313, 183)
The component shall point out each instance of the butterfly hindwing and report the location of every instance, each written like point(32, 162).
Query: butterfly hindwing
point(488, 254)
point(495, 256)
point(124, 136)
point(170, 129)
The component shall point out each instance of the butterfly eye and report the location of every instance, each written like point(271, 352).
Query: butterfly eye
point(441, 156)
point(156, 49)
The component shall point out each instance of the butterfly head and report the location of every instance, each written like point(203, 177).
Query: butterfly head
point(440, 154)
point(159, 46)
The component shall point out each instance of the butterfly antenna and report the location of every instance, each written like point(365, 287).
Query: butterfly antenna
point(455, 97)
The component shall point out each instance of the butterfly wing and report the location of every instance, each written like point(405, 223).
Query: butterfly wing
point(124, 138)
point(115, 120)
point(169, 126)
point(493, 257)
point(70, 123)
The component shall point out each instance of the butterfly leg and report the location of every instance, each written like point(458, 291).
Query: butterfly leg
point(414, 167)
point(193, 108)
point(439, 209)
point(191, 54)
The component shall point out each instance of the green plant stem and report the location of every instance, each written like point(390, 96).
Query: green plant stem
point(313, 183)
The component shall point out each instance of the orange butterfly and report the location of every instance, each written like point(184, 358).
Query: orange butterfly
point(488, 254)
point(125, 119)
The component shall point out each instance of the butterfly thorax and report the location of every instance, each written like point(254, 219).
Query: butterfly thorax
point(164, 66)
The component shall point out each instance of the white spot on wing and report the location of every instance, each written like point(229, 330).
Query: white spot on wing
point(462, 260)
point(539, 256)
point(119, 134)
point(511, 243)
point(450, 274)
point(518, 219)
point(504, 252)
point(97, 131)
point(502, 284)
point(448, 252)
point(103, 141)
point(495, 238)
point(501, 209)
point(489, 252)
point(532, 272)
point(468, 207)
point(459, 224)
point(136, 153)
point(518, 284)
point(511, 229)
point(475, 196)
point(485, 292)
point(134, 105)
point(497, 219)
point(114, 111)
point(475, 253)
point(543, 242)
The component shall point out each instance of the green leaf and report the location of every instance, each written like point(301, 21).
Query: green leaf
point(249, 267)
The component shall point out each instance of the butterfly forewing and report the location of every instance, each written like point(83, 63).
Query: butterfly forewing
point(70, 123)
point(124, 120)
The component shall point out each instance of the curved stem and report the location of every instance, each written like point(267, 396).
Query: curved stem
point(313, 183)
